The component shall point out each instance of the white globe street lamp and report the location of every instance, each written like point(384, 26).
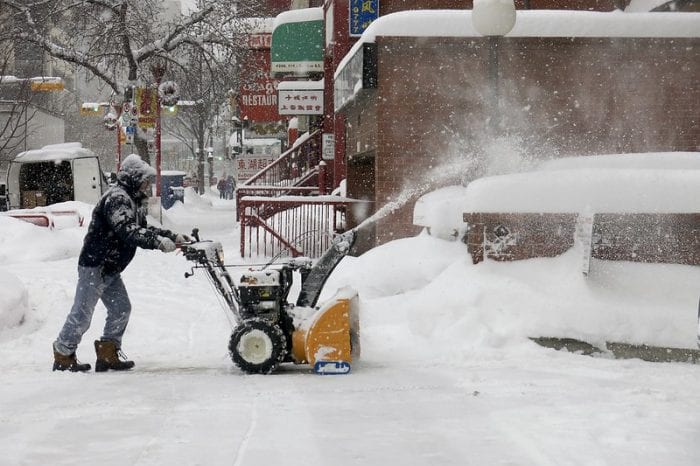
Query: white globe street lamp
point(493, 17)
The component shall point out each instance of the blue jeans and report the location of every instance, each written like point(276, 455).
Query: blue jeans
point(94, 285)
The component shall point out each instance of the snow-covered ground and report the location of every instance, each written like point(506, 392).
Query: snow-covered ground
point(448, 375)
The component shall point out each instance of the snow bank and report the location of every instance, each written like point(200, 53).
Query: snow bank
point(441, 211)
point(13, 300)
point(393, 270)
point(423, 298)
point(22, 242)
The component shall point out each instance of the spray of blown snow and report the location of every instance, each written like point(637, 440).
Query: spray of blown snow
point(492, 155)
point(435, 177)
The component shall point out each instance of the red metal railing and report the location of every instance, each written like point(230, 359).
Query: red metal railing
point(282, 209)
point(293, 166)
point(270, 191)
point(291, 225)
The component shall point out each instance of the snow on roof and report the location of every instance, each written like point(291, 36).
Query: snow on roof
point(262, 142)
point(531, 23)
point(539, 23)
point(52, 152)
point(616, 190)
point(172, 173)
point(658, 182)
point(298, 16)
point(300, 85)
point(9, 79)
point(638, 6)
point(257, 25)
point(233, 141)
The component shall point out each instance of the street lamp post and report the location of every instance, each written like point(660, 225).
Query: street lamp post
point(494, 19)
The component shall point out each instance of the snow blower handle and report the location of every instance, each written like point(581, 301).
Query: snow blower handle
point(184, 240)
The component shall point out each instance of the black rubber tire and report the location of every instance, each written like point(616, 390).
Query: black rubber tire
point(257, 346)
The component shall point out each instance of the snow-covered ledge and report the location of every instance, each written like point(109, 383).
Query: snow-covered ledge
point(531, 23)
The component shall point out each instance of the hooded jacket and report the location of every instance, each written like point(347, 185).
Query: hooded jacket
point(118, 225)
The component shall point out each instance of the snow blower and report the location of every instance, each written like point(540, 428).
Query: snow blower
point(268, 330)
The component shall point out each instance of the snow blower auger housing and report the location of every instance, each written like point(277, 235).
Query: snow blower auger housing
point(268, 329)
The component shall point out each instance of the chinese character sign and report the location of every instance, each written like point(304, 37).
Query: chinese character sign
point(147, 106)
point(362, 13)
point(248, 165)
point(300, 102)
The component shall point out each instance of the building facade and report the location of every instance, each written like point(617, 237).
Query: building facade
point(434, 106)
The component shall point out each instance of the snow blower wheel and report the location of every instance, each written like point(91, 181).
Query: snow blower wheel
point(257, 346)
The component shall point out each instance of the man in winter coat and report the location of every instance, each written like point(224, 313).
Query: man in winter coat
point(117, 228)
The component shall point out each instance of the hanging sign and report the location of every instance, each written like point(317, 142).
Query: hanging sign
point(259, 41)
point(47, 86)
point(362, 13)
point(300, 102)
point(129, 132)
point(147, 106)
point(328, 146)
point(250, 164)
point(258, 92)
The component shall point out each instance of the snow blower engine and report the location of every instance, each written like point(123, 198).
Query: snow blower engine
point(268, 329)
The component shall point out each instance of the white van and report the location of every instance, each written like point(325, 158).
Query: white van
point(52, 174)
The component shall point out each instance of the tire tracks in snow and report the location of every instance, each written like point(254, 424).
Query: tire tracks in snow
point(243, 447)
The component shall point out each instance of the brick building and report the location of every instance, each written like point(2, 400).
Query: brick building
point(422, 106)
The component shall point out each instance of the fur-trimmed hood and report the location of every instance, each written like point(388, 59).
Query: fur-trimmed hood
point(133, 172)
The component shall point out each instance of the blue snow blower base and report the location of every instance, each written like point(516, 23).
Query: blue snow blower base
point(332, 367)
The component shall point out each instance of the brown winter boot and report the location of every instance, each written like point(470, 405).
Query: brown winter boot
point(109, 356)
point(62, 362)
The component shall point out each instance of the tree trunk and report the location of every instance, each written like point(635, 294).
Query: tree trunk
point(200, 172)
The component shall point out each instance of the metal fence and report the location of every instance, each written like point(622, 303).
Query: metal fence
point(293, 166)
point(291, 225)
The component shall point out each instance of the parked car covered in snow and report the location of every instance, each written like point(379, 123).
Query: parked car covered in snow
point(52, 174)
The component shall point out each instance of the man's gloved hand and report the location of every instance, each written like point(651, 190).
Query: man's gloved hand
point(166, 245)
point(181, 239)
